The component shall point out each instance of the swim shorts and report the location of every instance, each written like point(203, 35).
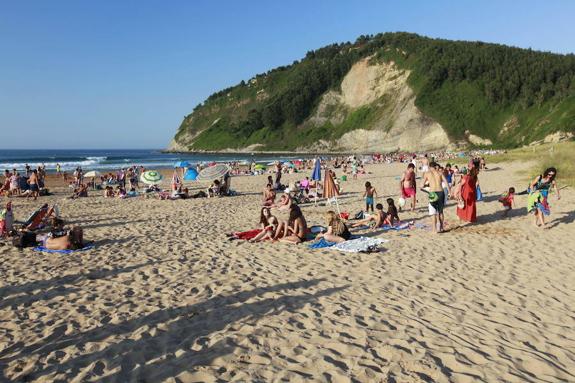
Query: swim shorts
point(439, 203)
point(408, 192)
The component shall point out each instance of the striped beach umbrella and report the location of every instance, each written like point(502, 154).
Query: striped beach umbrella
point(330, 190)
point(151, 177)
point(214, 172)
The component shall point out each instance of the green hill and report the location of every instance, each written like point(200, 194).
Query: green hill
point(392, 91)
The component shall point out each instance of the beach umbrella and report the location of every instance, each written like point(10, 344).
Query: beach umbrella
point(92, 173)
point(260, 167)
point(191, 175)
point(214, 172)
point(181, 164)
point(316, 176)
point(151, 177)
point(330, 189)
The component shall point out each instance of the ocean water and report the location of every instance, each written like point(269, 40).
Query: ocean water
point(102, 159)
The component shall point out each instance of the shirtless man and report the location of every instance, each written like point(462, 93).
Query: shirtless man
point(434, 178)
point(33, 182)
point(407, 185)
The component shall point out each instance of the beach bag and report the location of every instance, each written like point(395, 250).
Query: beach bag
point(479, 194)
point(359, 215)
point(461, 204)
point(24, 239)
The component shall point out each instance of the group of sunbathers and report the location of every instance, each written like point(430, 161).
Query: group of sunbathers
point(44, 226)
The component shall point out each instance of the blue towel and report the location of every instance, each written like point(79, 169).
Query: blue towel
point(43, 249)
point(321, 244)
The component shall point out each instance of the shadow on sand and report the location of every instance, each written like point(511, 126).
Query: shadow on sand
point(158, 356)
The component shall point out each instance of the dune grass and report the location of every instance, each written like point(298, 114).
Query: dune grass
point(560, 155)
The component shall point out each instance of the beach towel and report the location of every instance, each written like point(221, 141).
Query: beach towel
point(361, 244)
point(320, 244)
point(68, 251)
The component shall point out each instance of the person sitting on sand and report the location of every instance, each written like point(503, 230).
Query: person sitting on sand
point(73, 240)
point(214, 189)
point(285, 202)
point(268, 224)
point(392, 214)
point(295, 230)
point(337, 231)
point(376, 220)
point(269, 195)
point(81, 191)
point(120, 192)
point(109, 192)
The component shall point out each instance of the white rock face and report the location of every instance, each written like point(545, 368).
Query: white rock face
point(402, 126)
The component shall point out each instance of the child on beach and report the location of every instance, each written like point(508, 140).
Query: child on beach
point(374, 221)
point(369, 194)
point(407, 185)
point(392, 214)
point(507, 201)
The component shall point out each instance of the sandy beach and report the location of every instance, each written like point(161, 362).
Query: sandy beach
point(164, 296)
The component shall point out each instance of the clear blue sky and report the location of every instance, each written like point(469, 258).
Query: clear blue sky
point(122, 74)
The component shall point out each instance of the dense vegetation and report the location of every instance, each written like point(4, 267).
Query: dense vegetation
point(465, 86)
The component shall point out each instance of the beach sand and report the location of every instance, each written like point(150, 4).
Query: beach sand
point(165, 297)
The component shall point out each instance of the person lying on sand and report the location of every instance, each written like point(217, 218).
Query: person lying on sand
point(337, 231)
point(72, 240)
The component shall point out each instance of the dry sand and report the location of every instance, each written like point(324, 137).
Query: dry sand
point(164, 296)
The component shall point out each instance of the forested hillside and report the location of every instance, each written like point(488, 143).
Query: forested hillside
point(505, 95)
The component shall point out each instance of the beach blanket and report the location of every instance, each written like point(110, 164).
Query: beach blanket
point(361, 244)
point(402, 226)
point(322, 243)
point(44, 250)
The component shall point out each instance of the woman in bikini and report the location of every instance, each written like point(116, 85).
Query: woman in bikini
point(337, 231)
point(296, 229)
point(268, 224)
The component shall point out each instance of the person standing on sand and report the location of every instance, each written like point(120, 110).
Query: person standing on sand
point(407, 185)
point(33, 182)
point(466, 210)
point(434, 179)
point(538, 194)
point(425, 164)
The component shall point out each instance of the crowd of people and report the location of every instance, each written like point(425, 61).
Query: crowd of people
point(440, 184)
